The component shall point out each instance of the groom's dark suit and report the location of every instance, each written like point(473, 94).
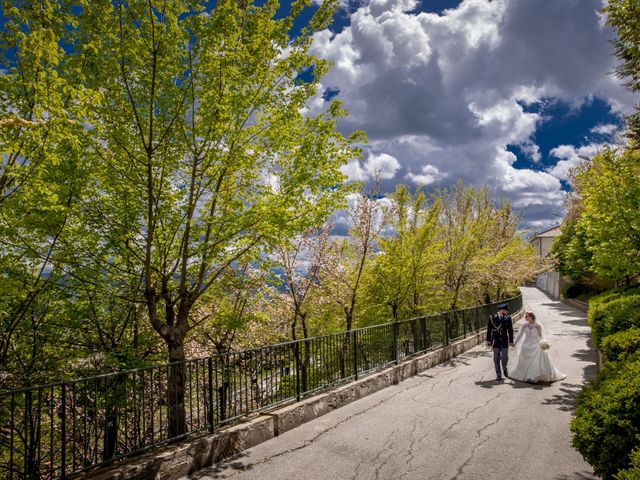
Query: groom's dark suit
point(500, 331)
point(499, 336)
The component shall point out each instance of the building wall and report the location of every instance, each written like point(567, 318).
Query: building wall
point(551, 282)
point(542, 245)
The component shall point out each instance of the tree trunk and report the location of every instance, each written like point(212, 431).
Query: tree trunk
point(394, 310)
point(115, 396)
point(345, 344)
point(176, 387)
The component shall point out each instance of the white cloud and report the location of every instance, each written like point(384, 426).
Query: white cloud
point(383, 165)
point(604, 129)
point(429, 174)
point(570, 157)
point(445, 95)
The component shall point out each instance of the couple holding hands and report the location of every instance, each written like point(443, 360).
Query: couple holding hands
point(534, 364)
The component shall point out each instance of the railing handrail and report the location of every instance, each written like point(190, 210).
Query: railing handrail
point(239, 352)
point(115, 415)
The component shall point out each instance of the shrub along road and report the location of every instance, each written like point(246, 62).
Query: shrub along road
point(454, 421)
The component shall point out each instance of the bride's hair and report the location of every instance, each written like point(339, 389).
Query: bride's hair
point(529, 312)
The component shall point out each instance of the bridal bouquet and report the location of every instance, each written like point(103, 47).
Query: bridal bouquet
point(544, 344)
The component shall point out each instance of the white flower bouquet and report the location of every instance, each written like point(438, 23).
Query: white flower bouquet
point(544, 344)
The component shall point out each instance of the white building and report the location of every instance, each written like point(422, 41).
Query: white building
point(551, 281)
point(542, 241)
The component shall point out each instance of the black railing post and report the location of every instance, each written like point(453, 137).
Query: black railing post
point(355, 354)
point(394, 347)
point(29, 471)
point(423, 325)
point(447, 325)
point(63, 431)
point(296, 357)
point(464, 322)
point(210, 392)
point(223, 389)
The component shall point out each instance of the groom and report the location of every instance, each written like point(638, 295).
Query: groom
point(500, 337)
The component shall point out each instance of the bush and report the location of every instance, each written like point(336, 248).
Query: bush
point(632, 473)
point(613, 312)
point(574, 290)
point(606, 427)
point(620, 345)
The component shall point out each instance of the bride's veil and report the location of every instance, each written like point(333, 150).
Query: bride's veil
point(523, 322)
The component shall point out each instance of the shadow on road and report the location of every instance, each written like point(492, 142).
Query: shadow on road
point(576, 475)
point(567, 398)
point(531, 386)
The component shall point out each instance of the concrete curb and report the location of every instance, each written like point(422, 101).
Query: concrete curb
point(176, 461)
point(580, 305)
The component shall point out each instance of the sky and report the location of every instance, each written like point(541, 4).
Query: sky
point(507, 93)
point(504, 93)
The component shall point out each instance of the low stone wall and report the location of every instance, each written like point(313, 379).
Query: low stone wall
point(176, 461)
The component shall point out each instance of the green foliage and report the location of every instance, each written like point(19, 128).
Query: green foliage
point(204, 156)
point(606, 427)
point(613, 312)
point(633, 472)
point(575, 290)
point(404, 280)
point(624, 17)
point(610, 191)
point(485, 256)
point(572, 257)
point(620, 345)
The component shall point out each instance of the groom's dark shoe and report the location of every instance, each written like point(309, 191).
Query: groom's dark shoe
point(499, 378)
point(506, 374)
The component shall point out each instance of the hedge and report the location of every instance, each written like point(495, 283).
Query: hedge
point(633, 472)
point(607, 423)
point(613, 312)
point(620, 345)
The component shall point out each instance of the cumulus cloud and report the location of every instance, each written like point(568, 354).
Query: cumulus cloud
point(429, 174)
point(382, 165)
point(570, 157)
point(445, 95)
point(605, 129)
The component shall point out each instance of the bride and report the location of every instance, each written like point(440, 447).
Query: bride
point(534, 364)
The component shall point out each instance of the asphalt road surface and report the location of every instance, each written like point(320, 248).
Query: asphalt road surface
point(454, 421)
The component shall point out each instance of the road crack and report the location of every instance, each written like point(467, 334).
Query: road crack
point(475, 447)
point(306, 443)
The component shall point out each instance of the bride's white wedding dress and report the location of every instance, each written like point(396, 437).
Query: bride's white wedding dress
point(534, 364)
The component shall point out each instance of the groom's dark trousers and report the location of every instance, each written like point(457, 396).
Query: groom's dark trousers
point(500, 355)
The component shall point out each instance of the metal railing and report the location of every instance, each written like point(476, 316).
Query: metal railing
point(60, 430)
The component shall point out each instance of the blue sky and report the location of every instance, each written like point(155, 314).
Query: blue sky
point(507, 93)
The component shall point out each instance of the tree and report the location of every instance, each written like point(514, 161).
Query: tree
point(466, 216)
point(404, 275)
point(347, 260)
point(505, 259)
point(302, 261)
point(610, 192)
point(40, 176)
point(572, 257)
point(203, 154)
point(624, 17)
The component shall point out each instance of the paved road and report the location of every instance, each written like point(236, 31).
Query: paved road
point(450, 422)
